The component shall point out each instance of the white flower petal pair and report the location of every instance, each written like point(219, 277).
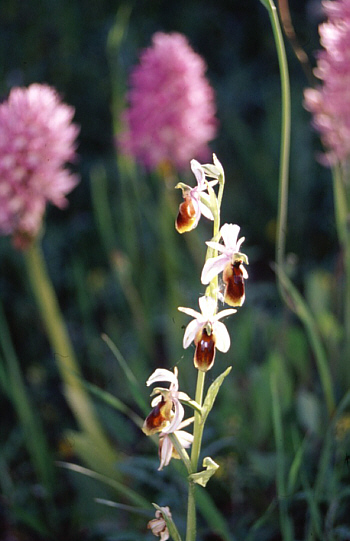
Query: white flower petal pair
point(228, 250)
point(207, 316)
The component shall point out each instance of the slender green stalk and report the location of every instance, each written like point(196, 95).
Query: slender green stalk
point(67, 364)
point(196, 446)
point(285, 136)
point(198, 428)
point(299, 307)
point(341, 206)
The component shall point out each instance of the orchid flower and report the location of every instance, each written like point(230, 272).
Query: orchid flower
point(196, 200)
point(158, 524)
point(167, 412)
point(207, 332)
point(230, 261)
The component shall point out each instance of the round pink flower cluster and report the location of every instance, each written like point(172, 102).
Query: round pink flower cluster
point(37, 138)
point(330, 103)
point(171, 114)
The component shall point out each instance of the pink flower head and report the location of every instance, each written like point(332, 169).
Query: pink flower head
point(230, 261)
point(330, 103)
point(207, 332)
point(193, 207)
point(171, 114)
point(37, 138)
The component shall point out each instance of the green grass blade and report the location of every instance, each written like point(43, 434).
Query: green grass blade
point(299, 306)
point(119, 487)
point(114, 402)
point(30, 422)
point(135, 387)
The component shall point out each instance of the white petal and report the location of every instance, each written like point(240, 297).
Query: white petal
point(198, 172)
point(229, 234)
point(196, 205)
point(185, 423)
point(165, 452)
point(217, 246)
point(225, 313)
point(223, 341)
point(212, 267)
point(205, 210)
point(176, 420)
point(161, 374)
point(190, 312)
point(244, 272)
point(239, 242)
point(156, 400)
point(185, 438)
point(191, 331)
point(208, 307)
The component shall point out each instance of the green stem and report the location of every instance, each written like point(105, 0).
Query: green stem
point(285, 137)
point(196, 446)
point(212, 289)
point(67, 364)
point(198, 428)
point(341, 205)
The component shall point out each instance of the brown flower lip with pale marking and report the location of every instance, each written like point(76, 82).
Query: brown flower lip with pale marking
point(233, 277)
point(186, 217)
point(205, 350)
point(158, 418)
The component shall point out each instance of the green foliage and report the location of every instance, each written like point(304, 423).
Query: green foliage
point(120, 270)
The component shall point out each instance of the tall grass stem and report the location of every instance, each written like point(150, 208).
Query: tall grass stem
point(69, 369)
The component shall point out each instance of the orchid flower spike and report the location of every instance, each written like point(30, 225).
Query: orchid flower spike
point(167, 412)
point(158, 524)
point(196, 201)
point(230, 261)
point(207, 332)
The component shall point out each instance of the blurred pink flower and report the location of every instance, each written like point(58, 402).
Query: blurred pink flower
point(330, 103)
point(37, 138)
point(171, 114)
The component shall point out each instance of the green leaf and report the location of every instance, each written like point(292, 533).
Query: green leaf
point(173, 531)
point(211, 394)
point(202, 477)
